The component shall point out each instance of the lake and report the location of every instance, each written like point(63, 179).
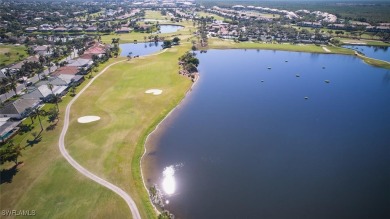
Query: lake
point(168, 28)
point(376, 52)
point(140, 49)
point(245, 143)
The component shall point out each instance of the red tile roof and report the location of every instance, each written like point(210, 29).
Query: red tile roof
point(69, 70)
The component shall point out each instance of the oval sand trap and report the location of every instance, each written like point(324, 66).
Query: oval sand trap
point(88, 119)
point(154, 91)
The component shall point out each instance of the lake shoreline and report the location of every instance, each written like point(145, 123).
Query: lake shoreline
point(309, 48)
point(155, 178)
point(155, 129)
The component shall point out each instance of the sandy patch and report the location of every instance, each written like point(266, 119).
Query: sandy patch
point(88, 119)
point(325, 49)
point(154, 91)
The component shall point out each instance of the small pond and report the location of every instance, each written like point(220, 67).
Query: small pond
point(140, 49)
point(169, 28)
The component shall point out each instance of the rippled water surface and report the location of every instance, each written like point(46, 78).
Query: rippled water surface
point(246, 143)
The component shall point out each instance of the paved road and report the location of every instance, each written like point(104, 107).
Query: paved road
point(61, 143)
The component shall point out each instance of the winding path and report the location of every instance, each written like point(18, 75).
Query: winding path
point(61, 143)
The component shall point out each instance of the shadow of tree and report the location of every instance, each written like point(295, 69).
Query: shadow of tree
point(51, 127)
point(24, 128)
point(8, 174)
point(36, 140)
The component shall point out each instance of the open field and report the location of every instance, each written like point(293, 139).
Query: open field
point(207, 14)
point(149, 14)
point(15, 52)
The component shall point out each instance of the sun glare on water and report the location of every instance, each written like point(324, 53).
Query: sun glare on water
point(169, 183)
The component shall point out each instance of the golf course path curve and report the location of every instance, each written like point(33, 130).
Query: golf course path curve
point(61, 143)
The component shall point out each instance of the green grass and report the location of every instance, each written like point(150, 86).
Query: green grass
point(112, 147)
point(48, 184)
point(229, 44)
point(207, 14)
point(15, 51)
point(149, 14)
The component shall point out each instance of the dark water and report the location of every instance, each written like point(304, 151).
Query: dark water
point(242, 148)
point(140, 48)
point(376, 52)
point(166, 28)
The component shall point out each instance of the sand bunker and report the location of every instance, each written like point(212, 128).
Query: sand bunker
point(88, 119)
point(154, 91)
point(325, 49)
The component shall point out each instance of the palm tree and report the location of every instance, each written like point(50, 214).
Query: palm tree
point(30, 113)
point(38, 113)
point(50, 86)
point(13, 82)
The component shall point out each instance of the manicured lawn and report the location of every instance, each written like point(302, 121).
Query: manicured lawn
point(112, 147)
point(15, 52)
point(207, 14)
point(149, 14)
point(48, 184)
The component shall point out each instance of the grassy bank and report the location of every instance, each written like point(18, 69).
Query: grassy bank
point(112, 147)
point(363, 42)
point(229, 44)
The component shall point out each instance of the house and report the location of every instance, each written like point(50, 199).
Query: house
point(45, 27)
point(19, 65)
point(76, 29)
point(8, 128)
point(91, 29)
point(43, 93)
point(31, 29)
point(378, 29)
point(123, 30)
point(70, 70)
point(62, 80)
point(41, 50)
point(18, 108)
point(71, 79)
point(83, 64)
point(336, 26)
point(2, 73)
point(310, 24)
point(52, 80)
point(60, 29)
